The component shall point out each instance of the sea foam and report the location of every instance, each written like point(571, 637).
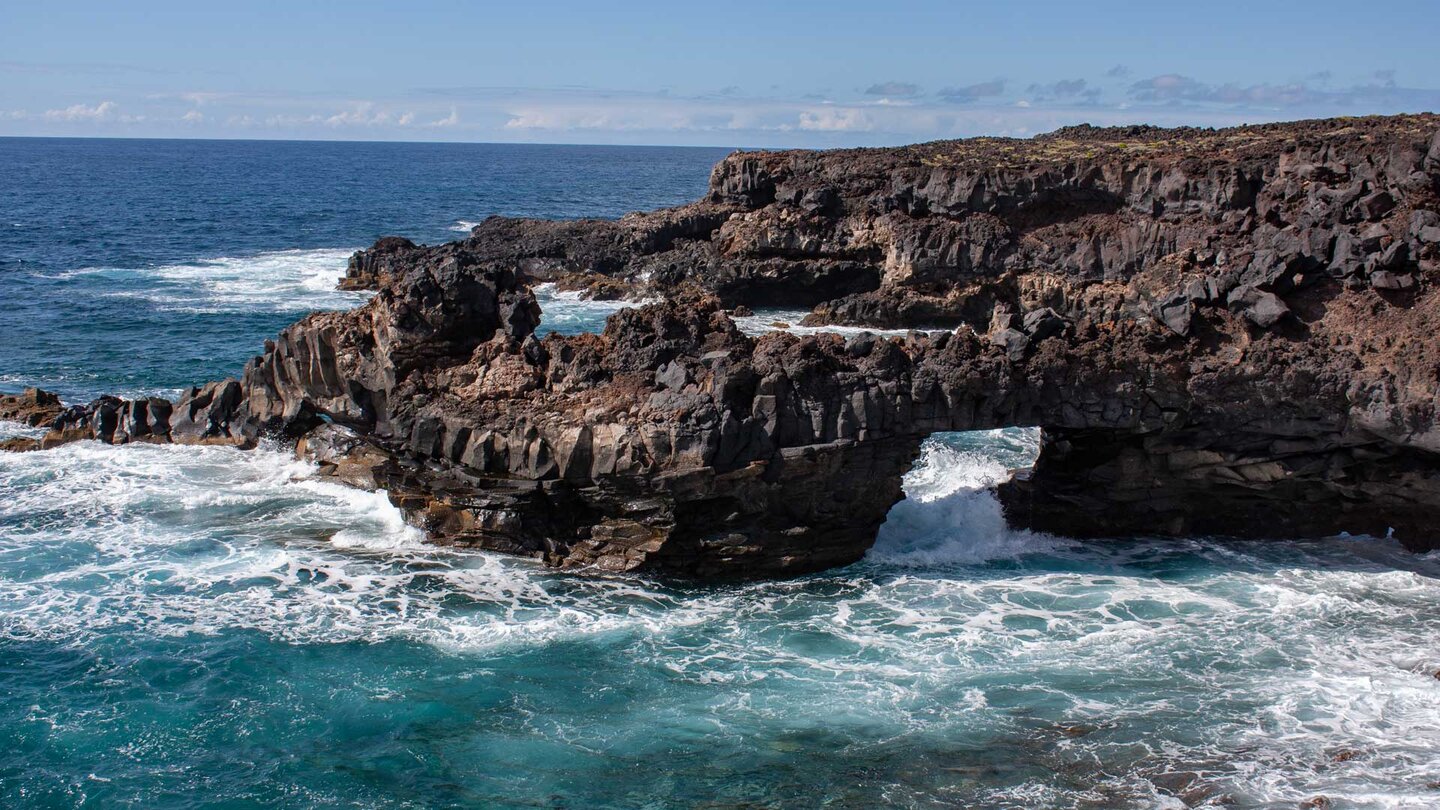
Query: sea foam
point(950, 513)
point(569, 312)
point(1254, 666)
point(275, 281)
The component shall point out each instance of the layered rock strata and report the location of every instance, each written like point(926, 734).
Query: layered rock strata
point(1228, 332)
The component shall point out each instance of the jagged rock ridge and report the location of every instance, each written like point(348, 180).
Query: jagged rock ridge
point(1226, 331)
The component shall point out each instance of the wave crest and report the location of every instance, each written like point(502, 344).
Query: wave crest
point(950, 514)
point(274, 281)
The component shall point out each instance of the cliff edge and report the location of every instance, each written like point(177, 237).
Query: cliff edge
point(1219, 331)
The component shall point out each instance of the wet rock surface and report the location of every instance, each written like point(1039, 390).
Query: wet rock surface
point(1220, 331)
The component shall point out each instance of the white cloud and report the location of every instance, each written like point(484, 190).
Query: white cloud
point(286, 120)
point(612, 119)
point(363, 114)
point(104, 111)
point(836, 119)
point(540, 119)
point(886, 113)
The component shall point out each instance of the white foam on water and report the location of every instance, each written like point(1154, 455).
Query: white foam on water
point(277, 281)
point(10, 430)
point(788, 320)
point(195, 540)
point(569, 312)
point(950, 513)
point(463, 226)
point(1255, 666)
point(173, 538)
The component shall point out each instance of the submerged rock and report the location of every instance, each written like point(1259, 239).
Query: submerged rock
point(19, 444)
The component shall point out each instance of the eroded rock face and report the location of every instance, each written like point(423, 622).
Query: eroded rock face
point(33, 407)
point(1161, 221)
point(1224, 331)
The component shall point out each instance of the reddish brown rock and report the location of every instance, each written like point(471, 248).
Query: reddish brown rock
point(1207, 324)
point(33, 407)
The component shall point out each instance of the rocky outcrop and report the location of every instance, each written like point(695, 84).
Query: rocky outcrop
point(33, 407)
point(935, 235)
point(1226, 331)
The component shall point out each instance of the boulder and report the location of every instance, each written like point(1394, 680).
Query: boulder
point(1264, 309)
point(32, 407)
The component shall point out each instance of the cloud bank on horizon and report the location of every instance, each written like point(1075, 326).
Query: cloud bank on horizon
point(94, 71)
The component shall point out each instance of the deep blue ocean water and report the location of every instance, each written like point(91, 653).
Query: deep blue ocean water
point(202, 627)
point(144, 264)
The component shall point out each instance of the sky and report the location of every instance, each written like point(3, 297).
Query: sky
point(838, 73)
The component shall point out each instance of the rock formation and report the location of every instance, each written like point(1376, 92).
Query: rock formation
point(1219, 331)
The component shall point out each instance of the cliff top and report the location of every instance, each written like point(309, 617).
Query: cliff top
point(1156, 145)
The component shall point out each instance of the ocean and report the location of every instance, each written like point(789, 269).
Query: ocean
point(203, 627)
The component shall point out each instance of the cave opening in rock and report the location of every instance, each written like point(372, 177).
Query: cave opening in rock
point(950, 512)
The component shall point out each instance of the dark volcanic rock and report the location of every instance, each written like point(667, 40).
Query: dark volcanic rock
point(1220, 331)
point(371, 268)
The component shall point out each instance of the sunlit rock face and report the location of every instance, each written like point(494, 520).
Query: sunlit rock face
point(1225, 331)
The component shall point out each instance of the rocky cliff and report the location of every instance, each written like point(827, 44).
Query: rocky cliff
point(1219, 331)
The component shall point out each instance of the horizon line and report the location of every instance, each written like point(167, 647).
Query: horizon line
point(902, 143)
point(363, 141)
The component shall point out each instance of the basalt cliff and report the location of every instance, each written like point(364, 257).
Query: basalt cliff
point(1219, 331)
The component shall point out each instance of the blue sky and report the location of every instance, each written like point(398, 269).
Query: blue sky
point(727, 74)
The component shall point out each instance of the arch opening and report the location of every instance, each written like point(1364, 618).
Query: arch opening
point(951, 513)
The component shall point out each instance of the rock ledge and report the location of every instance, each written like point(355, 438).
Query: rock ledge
point(1219, 331)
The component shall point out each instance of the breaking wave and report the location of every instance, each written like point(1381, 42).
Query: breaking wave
point(963, 661)
point(950, 513)
point(569, 313)
point(275, 281)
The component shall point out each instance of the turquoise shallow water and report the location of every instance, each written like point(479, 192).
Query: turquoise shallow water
point(198, 627)
point(187, 626)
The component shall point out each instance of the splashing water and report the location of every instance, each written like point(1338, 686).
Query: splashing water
point(949, 514)
point(183, 626)
point(788, 320)
point(167, 612)
point(282, 281)
point(569, 313)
